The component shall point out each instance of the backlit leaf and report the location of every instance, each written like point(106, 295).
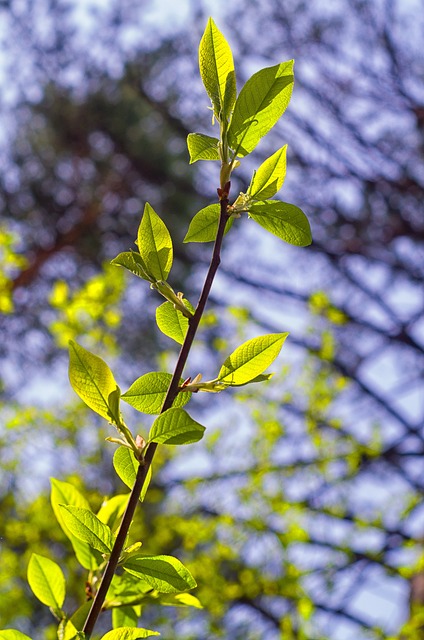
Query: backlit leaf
point(93, 381)
point(269, 178)
point(260, 104)
point(171, 322)
point(112, 510)
point(217, 71)
point(65, 493)
point(86, 526)
point(133, 262)
point(175, 426)
point(126, 466)
point(155, 244)
point(47, 581)
point(252, 358)
point(286, 221)
point(202, 147)
point(129, 633)
point(12, 634)
point(204, 225)
point(147, 393)
point(166, 574)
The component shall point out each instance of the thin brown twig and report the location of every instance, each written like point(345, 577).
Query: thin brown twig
point(172, 393)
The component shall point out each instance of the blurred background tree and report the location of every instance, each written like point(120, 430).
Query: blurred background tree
point(316, 530)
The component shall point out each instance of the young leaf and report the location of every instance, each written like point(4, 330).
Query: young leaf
point(68, 631)
point(217, 71)
point(252, 358)
point(12, 634)
point(155, 244)
point(269, 178)
point(47, 581)
point(171, 322)
point(129, 633)
point(134, 263)
point(204, 225)
point(202, 147)
point(260, 104)
point(147, 394)
point(286, 221)
point(126, 466)
point(87, 527)
point(65, 493)
point(166, 574)
point(124, 617)
point(181, 600)
point(112, 509)
point(93, 381)
point(175, 426)
point(263, 377)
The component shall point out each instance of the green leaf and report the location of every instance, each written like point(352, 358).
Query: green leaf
point(269, 178)
point(65, 493)
point(175, 426)
point(68, 631)
point(155, 244)
point(134, 263)
point(202, 147)
point(180, 600)
point(172, 322)
point(129, 633)
point(252, 358)
point(47, 581)
point(93, 381)
point(147, 393)
point(286, 221)
point(87, 527)
point(263, 377)
point(166, 574)
point(260, 104)
point(12, 634)
point(217, 71)
point(112, 510)
point(126, 466)
point(204, 225)
point(124, 617)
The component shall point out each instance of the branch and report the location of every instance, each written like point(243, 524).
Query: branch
point(147, 460)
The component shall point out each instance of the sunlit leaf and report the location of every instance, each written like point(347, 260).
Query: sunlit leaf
point(217, 70)
point(260, 104)
point(133, 262)
point(93, 381)
point(12, 634)
point(269, 178)
point(286, 221)
point(85, 525)
point(175, 426)
point(204, 225)
point(166, 574)
point(148, 392)
point(124, 617)
point(129, 633)
point(112, 509)
point(171, 322)
point(47, 581)
point(65, 493)
point(126, 466)
point(252, 358)
point(180, 600)
point(155, 244)
point(202, 147)
point(68, 631)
